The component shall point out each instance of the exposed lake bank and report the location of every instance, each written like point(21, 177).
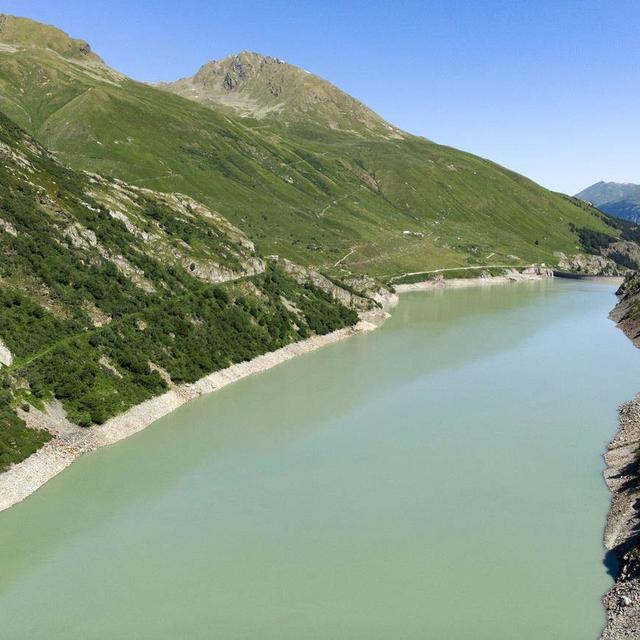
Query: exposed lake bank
point(622, 475)
point(71, 441)
point(480, 280)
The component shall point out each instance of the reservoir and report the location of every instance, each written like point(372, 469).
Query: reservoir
point(439, 479)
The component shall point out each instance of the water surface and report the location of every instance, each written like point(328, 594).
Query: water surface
point(437, 479)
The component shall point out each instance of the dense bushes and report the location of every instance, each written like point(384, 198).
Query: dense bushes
point(16, 441)
point(27, 327)
point(628, 230)
point(189, 335)
point(83, 331)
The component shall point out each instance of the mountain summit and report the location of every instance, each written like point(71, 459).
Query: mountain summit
point(312, 175)
point(261, 86)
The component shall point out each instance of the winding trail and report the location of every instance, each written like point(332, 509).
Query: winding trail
point(345, 256)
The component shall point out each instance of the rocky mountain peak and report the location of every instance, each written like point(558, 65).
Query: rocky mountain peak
point(257, 85)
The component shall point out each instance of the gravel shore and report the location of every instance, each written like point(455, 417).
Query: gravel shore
point(70, 442)
point(622, 530)
point(536, 273)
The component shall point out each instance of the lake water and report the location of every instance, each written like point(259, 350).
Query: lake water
point(439, 478)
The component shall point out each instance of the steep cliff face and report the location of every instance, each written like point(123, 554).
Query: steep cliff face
point(622, 531)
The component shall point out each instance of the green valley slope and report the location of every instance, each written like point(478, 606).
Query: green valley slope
point(321, 180)
point(109, 293)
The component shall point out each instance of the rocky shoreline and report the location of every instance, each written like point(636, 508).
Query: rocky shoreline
point(622, 475)
point(532, 273)
point(71, 441)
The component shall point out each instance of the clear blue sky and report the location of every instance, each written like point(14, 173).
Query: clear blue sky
point(549, 88)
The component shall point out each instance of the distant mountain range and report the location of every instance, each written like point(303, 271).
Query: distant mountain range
point(619, 199)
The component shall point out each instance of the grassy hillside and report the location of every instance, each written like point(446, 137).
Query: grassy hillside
point(108, 292)
point(361, 198)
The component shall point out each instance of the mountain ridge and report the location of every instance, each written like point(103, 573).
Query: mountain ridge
point(19, 31)
point(349, 199)
point(619, 199)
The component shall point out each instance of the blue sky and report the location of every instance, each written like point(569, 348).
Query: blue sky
point(548, 88)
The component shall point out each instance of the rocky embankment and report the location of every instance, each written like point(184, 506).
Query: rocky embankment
point(622, 531)
point(482, 280)
point(588, 265)
point(70, 441)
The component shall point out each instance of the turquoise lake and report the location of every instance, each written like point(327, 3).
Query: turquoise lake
point(439, 478)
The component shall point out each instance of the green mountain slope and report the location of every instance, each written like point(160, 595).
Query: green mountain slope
point(619, 199)
point(329, 185)
point(109, 292)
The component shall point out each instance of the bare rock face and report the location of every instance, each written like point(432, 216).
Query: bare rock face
point(214, 273)
point(622, 603)
point(626, 314)
point(538, 270)
point(370, 288)
point(588, 265)
point(349, 298)
point(625, 252)
point(6, 357)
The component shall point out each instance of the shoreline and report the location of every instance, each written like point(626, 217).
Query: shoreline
point(480, 281)
point(69, 441)
point(622, 527)
point(622, 601)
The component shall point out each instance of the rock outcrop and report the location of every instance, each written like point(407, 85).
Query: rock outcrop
point(6, 357)
point(356, 298)
point(368, 287)
point(624, 252)
point(588, 265)
point(627, 312)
